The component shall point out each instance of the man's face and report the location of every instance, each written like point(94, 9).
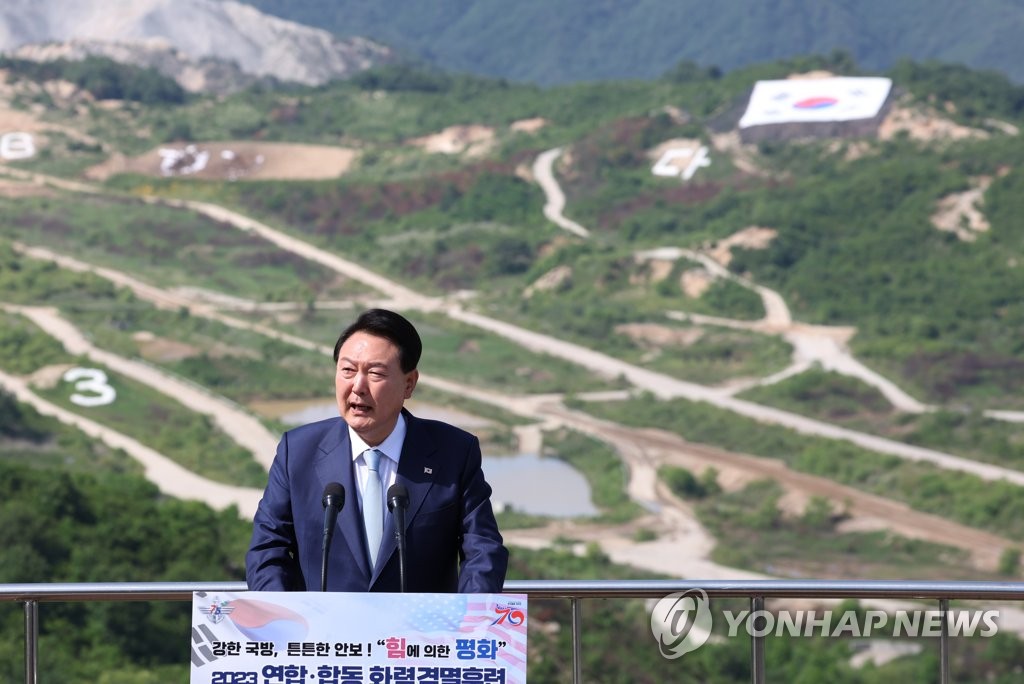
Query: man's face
point(370, 386)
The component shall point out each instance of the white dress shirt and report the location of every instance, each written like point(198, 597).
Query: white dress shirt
point(388, 466)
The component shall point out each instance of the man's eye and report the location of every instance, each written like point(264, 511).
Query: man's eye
point(377, 375)
point(347, 372)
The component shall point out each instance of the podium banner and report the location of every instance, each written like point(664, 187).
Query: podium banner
point(355, 638)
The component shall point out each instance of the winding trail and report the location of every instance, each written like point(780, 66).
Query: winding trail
point(350, 269)
point(667, 387)
point(820, 345)
point(245, 429)
point(544, 174)
point(683, 548)
point(661, 385)
point(167, 475)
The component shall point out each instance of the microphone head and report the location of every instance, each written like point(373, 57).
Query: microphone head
point(334, 495)
point(398, 495)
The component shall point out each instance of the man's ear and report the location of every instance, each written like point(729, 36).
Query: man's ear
point(410, 382)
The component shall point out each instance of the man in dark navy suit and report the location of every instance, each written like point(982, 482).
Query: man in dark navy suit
point(452, 539)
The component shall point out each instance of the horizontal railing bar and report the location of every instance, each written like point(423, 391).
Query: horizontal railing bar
point(827, 589)
point(113, 591)
point(838, 589)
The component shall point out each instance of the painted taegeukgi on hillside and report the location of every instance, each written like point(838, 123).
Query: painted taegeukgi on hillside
point(816, 107)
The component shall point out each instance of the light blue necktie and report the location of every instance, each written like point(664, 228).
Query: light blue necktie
point(373, 504)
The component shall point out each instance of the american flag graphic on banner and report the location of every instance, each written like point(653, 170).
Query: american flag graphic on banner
point(471, 615)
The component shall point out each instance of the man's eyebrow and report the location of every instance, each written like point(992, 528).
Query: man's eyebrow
point(353, 362)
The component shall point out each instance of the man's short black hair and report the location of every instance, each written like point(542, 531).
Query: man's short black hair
point(391, 326)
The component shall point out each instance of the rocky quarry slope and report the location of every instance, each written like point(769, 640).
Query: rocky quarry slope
point(200, 43)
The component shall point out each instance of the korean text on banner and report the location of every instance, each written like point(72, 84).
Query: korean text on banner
point(345, 638)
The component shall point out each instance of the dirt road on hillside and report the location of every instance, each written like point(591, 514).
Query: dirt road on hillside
point(167, 475)
point(868, 511)
point(643, 450)
point(683, 545)
point(554, 206)
point(246, 430)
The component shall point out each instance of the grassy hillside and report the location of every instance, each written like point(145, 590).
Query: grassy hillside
point(856, 244)
point(442, 199)
point(556, 43)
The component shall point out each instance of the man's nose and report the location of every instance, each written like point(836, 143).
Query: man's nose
point(359, 381)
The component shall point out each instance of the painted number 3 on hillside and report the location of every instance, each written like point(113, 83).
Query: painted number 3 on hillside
point(91, 387)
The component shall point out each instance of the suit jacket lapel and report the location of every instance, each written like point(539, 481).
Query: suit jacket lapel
point(416, 469)
point(335, 465)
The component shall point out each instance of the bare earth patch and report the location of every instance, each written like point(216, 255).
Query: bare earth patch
point(528, 125)
point(660, 335)
point(660, 269)
point(153, 348)
point(525, 173)
point(550, 280)
point(752, 237)
point(695, 282)
point(234, 160)
point(47, 377)
point(651, 270)
point(744, 157)
point(922, 124)
point(473, 140)
point(959, 213)
point(16, 120)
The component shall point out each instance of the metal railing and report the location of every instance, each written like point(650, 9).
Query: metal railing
point(576, 591)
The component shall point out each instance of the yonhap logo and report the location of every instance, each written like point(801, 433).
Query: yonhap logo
point(681, 622)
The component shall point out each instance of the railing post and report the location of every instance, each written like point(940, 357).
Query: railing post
point(31, 642)
point(944, 642)
point(577, 625)
point(756, 642)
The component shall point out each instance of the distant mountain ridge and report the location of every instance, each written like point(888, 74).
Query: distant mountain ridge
point(564, 41)
point(198, 42)
point(226, 44)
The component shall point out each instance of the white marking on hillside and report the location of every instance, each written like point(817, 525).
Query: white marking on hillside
point(17, 145)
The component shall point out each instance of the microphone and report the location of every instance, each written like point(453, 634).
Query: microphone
point(334, 501)
point(398, 502)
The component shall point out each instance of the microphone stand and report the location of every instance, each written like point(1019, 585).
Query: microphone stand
point(400, 538)
point(398, 501)
point(323, 563)
point(333, 501)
